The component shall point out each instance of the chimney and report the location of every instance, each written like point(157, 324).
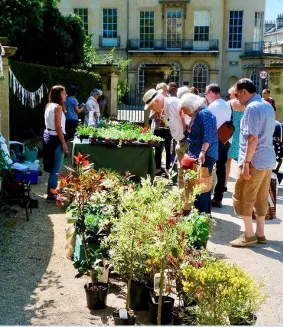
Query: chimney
point(279, 21)
point(268, 25)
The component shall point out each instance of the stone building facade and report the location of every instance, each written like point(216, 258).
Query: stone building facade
point(193, 42)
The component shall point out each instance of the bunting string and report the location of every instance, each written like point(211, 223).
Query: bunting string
point(27, 98)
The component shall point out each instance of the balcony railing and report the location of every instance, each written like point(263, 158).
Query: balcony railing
point(264, 48)
point(109, 42)
point(173, 45)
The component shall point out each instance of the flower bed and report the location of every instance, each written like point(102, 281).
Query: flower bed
point(118, 134)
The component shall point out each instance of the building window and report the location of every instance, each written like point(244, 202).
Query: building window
point(200, 77)
point(256, 80)
point(146, 29)
point(258, 27)
point(235, 29)
point(110, 23)
point(174, 29)
point(83, 14)
point(201, 25)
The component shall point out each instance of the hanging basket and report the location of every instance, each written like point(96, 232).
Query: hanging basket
point(204, 179)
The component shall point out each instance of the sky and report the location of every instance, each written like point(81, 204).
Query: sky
point(273, 8)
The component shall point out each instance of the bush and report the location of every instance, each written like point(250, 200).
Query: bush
point(31, 76)
point(225, 293)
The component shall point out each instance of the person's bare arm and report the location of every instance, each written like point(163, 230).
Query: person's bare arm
point(251, 147)
point(57, 117)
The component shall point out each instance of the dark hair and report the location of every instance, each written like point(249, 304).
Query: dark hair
point(246, 84)
point(54, 95)
point(172, 85)
point(194, 90)
point(72, 90)
point(214, 88)
point(266, 90)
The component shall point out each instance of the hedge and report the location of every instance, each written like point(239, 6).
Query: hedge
point(26, 121)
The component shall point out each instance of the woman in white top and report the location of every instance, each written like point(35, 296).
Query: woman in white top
point(54, 143)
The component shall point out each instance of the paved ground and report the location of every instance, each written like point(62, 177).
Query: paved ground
point(37, 281)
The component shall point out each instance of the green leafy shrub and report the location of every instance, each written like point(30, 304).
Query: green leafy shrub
point(224, 292)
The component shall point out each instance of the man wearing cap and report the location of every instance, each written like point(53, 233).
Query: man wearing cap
point(92, 111)
point(156, 102)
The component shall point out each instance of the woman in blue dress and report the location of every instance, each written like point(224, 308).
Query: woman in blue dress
point(238, 112)
point(202, 138)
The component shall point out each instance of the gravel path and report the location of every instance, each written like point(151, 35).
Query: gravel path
point(37, 281)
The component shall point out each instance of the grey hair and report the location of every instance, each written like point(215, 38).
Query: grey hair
point(162, 86)
point(182, 90)
point(96, 91)
point(191, 101)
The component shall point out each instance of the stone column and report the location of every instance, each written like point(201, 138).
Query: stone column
point(113, 110)
point(4, 91)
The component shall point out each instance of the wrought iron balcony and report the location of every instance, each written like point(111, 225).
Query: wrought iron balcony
point(263, 48)
point(172, 46)
point(109, 42)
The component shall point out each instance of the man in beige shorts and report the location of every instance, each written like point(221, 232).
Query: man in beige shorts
point(256, 161)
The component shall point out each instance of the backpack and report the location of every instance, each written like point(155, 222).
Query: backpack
point(226, 130)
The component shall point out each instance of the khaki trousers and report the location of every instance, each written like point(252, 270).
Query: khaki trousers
point(181, 149)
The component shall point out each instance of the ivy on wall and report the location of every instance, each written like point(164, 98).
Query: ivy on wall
point(26, 121)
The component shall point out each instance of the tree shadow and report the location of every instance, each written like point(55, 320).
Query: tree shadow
point(25, 250)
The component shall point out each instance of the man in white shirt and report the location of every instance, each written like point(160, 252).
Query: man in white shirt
point(222, 112)
point(156, 102)
point(92, 110)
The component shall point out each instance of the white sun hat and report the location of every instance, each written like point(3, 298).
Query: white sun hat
point(149, 97)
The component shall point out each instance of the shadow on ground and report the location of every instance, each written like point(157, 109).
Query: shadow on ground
point(25, 250)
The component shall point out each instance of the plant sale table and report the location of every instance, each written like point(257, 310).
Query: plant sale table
point(138, 160)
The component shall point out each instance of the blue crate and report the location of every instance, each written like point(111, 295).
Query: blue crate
point(27, 176)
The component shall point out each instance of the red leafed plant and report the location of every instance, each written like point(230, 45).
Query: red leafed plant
point(79, 185)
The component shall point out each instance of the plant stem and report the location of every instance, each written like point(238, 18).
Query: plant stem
point(160, 292)
point(84, 246)
point(131, 272)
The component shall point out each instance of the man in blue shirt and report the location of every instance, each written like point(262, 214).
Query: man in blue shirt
point(256, 161)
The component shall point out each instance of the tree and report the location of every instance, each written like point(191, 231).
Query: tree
point(41, 33)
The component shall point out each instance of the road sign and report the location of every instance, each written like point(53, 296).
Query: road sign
point(263, 74)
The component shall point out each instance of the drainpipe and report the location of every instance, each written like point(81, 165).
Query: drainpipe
point(128, 26)
point(224, 39)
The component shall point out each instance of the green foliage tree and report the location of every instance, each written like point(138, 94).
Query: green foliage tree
point(41, 33)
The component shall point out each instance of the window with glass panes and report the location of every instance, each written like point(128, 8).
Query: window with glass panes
point(235, 29)
point(258, 26)
point(200, 77)
point(174, 29)
point(146, 29)
point(110, 23)
point(83, 13)
point(201, 25)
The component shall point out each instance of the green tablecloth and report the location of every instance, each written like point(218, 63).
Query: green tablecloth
point(139, 161)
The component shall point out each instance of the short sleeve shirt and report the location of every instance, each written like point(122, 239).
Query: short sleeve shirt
point(259, 121)
point(70, 104)
point(221, 110)
point(171, 110)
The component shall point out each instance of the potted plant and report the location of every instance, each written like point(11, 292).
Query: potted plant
point(165, 230)
point(79, 185)
point(85, 131)
point(225, 293)
point(128, 243)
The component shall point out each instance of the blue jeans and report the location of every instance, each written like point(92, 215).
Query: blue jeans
point(203, 201)
point(57, 164)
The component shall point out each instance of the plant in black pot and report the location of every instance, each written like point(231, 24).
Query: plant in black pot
point(128, 243)
point(80, 184)
point(165, 231)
